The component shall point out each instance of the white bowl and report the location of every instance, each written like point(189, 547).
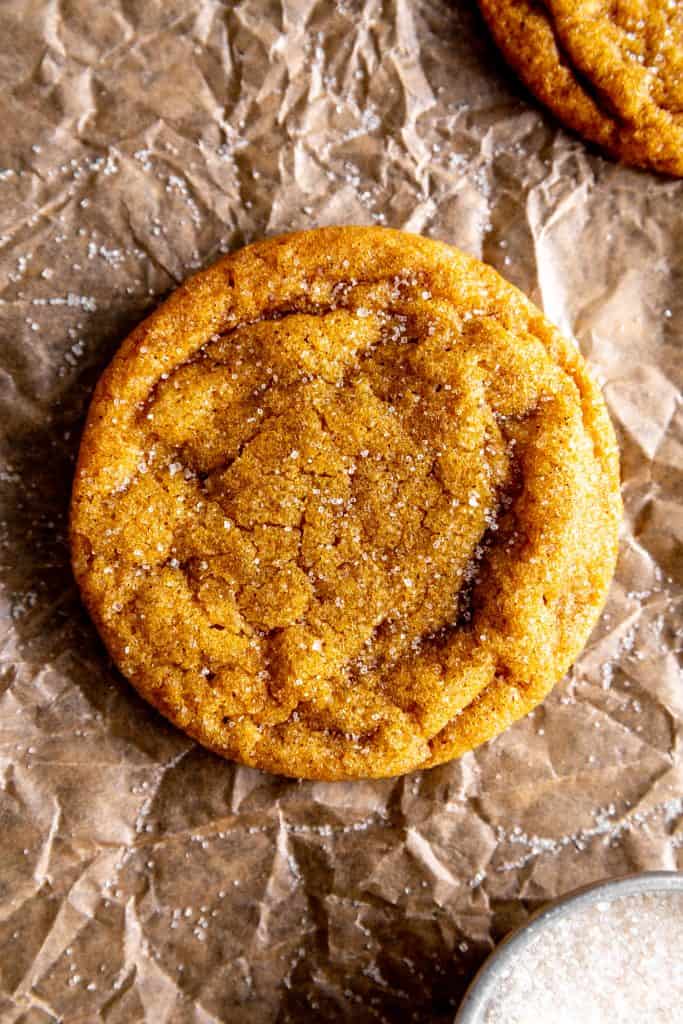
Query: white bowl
point(489, 976)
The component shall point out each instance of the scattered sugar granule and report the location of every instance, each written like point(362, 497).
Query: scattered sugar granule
point(617, 961)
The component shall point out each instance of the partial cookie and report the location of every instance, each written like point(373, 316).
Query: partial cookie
point(611, 71)
point(346, 505)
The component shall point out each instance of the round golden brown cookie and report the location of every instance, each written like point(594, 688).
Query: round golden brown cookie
point(346, 504)
point(612, 70)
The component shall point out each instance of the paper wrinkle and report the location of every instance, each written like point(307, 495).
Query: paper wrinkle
point(143, 878)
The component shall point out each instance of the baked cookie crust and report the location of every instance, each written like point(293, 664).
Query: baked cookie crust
point(611, 70)
point(346, 505)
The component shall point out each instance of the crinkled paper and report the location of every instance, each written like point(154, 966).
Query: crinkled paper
point(142, 878)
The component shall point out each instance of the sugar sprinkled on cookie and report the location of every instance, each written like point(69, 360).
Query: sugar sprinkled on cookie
point(611, 71)
point(346, 505)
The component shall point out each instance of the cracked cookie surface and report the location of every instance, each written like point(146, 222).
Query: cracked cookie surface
point(346, 505)
point(612, 70)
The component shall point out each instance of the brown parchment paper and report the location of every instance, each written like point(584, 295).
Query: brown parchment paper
point(141, 878)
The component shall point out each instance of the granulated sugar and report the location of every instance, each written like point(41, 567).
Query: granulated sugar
point(612, 962)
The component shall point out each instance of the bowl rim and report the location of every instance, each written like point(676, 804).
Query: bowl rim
point(487, 978)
